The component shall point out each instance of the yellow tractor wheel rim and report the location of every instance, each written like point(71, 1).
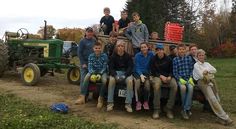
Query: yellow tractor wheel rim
point(74, 75)
point(29, 75)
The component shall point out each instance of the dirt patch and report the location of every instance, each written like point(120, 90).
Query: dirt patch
point(56, 89)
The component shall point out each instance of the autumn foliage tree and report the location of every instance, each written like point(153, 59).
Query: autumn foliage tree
point(233, 21)
point(50, 31)
point(70, 34)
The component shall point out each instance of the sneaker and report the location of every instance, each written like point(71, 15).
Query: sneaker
point(145, 105)
point(110, 107)
point(138, 106)
point(80, 100)
point(169, 113)
point(128, 108)
point(189, 113)
point(155, 114)
point(185, 115)
point(100, 102)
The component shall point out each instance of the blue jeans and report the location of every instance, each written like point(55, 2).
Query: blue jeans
point(102, 89)
point(83, 72)
point(111, 89)
point(186, 92)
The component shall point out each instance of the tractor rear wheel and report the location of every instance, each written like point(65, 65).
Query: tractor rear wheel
point(30, 74)
point(73, 75)
point(3, 58)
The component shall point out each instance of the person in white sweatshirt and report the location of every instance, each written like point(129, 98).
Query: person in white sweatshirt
point(204, 72)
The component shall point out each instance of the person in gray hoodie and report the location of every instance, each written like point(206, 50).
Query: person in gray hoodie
point(137, 32)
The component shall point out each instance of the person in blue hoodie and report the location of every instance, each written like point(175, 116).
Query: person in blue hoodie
point(84, 50)
point(141, 75)
point(137, 32)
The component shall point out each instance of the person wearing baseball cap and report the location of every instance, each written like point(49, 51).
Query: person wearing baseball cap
point(173, 51)
point(161, 70)
point(159, 46)
point(89, 29)
point(84, 50)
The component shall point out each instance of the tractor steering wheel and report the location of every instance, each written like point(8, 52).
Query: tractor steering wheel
point(22, 33)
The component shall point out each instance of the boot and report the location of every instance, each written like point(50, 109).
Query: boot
point(100, 102)
point(80, 100)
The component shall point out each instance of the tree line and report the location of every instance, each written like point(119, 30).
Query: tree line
point(204, 24)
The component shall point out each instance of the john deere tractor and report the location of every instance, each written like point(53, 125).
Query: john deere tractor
point(34, 57)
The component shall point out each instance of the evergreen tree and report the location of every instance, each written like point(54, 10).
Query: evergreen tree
point(155, 13)
point(234, 6)
point(233, 21)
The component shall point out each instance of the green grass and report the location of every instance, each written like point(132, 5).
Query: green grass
point(226, 80)
point(16, 113)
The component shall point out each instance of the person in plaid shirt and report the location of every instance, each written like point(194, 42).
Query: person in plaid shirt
point(182, 70)
point(97, 65)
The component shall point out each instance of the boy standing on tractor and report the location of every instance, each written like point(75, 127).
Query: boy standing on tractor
point(97, 67)
point(109, 47)
point(154, 35)
point(120, 69)
point(142, 75)
point(183, 73)
point(161, 69)
point(107, 21)
point(137, 32)
point(123, 23)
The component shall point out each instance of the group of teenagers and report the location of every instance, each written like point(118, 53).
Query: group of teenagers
point(149, 67)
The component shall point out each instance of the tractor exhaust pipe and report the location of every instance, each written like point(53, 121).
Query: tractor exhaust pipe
point(45, 30)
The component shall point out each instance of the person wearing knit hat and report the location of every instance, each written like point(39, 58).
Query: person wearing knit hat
point(120, 69)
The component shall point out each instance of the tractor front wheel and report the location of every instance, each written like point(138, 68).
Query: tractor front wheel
point(30, 74)
point(73, 75)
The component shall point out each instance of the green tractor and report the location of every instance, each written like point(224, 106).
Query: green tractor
point(33, 58)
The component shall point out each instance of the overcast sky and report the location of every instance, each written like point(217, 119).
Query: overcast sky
point(15, 14)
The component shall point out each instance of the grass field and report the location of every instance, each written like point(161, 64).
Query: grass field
point(226, 79)
point(16, 113)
